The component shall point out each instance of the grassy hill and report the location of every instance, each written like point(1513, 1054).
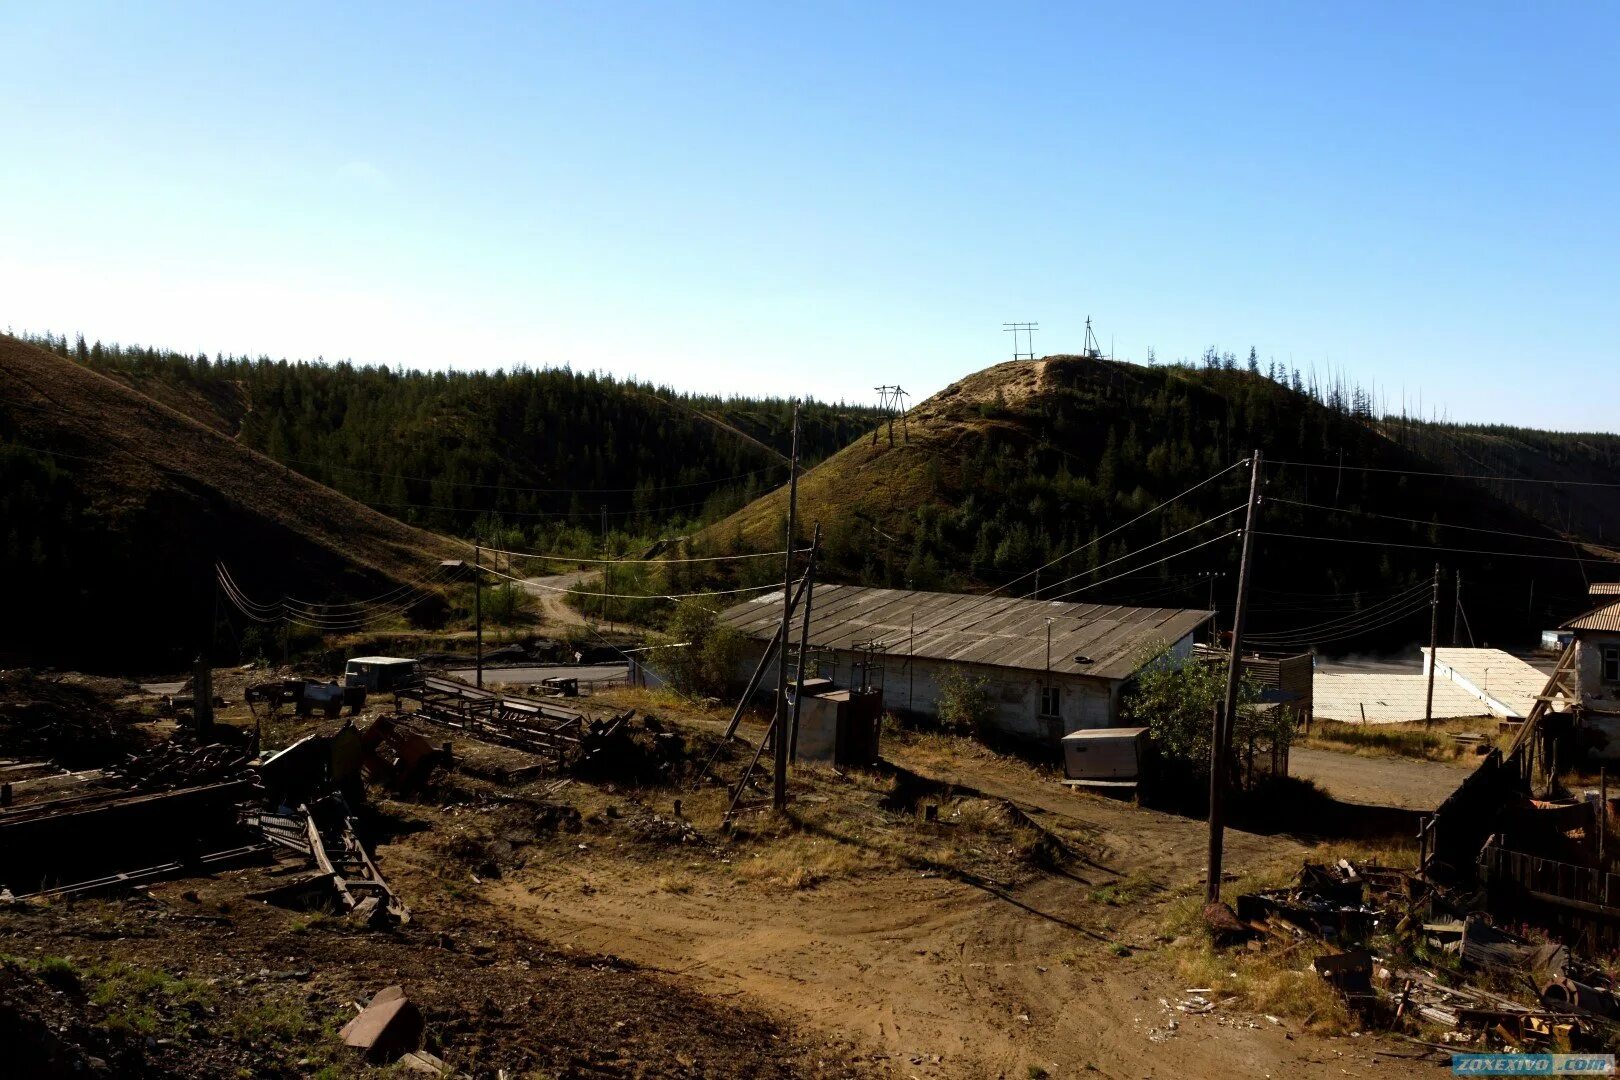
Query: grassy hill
point(114, 508)
point(1015, 465)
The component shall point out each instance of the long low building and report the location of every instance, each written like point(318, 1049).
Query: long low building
point(1503, 684)
point(1050, 667)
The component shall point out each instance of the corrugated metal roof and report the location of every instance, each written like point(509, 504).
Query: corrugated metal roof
point(966, 628)
point(1604, 618)
point(1604, 588)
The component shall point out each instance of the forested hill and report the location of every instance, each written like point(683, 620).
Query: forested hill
point(114, 509)
point(1555, 476)
point(534, 456)
point(1021, 463)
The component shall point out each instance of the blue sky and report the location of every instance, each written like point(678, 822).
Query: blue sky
point(817, 198)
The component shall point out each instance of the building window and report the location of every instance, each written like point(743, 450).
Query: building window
point(1051, 696)
point(1611, 664)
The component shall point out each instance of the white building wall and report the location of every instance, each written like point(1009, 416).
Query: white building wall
point(1600, 700)
point(914, 686)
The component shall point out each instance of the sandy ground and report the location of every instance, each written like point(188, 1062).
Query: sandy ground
point(1379, 781)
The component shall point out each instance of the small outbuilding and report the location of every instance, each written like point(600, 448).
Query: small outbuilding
point(381, 673)
point(1049, 667)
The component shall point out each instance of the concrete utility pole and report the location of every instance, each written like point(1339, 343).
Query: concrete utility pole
point(779, 773)
point(1434, 643)
point(804, 640)
point(478, 615)
point(1225, 715)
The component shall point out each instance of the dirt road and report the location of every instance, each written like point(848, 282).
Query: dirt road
point(550, 589)
point(941, 976)
point(1378, 781)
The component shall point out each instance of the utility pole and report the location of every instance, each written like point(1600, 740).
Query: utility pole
point(1434, 643)
point(1225, 716)
point(605, 566)
point(213, 630)
point(1456, 611)
point(478, 614)
point(779, 774)
point(1215, 614)
point(804, 640)
point(1028, 330)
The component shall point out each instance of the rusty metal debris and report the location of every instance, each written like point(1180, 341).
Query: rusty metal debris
point(185, 808)
point(1406, 952)
point(535, 726)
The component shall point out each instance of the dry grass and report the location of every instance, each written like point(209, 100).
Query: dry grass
point(1277, 978)
point(1413, 740)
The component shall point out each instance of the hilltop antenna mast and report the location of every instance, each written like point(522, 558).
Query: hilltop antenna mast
point(1028, 330)
point(891, 402)
point(1092, 350)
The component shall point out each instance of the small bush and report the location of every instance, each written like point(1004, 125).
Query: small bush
point(964, 702)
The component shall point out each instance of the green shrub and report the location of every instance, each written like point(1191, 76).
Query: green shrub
point(964, 702)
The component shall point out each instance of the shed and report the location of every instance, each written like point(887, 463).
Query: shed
point(1105, 755)
point(380, 673)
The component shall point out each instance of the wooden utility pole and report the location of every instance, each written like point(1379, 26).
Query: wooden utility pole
point(1225, 715)
point(779, 773)
point(804, 641)
point(1456, 611)
point(1434, 643)
point(478, 616)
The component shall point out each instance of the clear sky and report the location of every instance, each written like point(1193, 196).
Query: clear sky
point(816, 198)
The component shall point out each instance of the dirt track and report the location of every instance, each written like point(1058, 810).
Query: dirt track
point(1379, 781)
point(944, 977)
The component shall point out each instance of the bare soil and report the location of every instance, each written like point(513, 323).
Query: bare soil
point(589, 929)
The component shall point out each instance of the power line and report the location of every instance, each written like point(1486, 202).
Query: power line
point(1437, 547)
point(1150, 547)
point(1345, 633)
point(1151, 565)
point(642, 562)
point(1420, 521)
point(1445, 475)
point(1400, 599)
point(532, 513)
point(521, 489)
point(631, 596)
point(1111, 532)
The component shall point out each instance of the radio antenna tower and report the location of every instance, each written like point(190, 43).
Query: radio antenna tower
point(1092, 349)
point(891, 403)
point(1028, 330)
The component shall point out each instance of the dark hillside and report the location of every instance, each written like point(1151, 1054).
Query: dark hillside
point(538, 454)
point(1555, 473)
point(114, 507)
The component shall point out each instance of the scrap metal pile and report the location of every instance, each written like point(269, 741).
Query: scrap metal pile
point(163, 813)
point(558, 736)
point(1408, 955)
point(185, 808)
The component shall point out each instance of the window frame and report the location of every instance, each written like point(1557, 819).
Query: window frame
point(1056, 712)
point(1609, 663)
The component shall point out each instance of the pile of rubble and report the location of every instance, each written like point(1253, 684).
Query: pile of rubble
point(1409, 956)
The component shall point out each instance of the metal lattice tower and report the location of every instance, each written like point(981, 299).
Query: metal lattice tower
point(891, 403)
point(1092, 349)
